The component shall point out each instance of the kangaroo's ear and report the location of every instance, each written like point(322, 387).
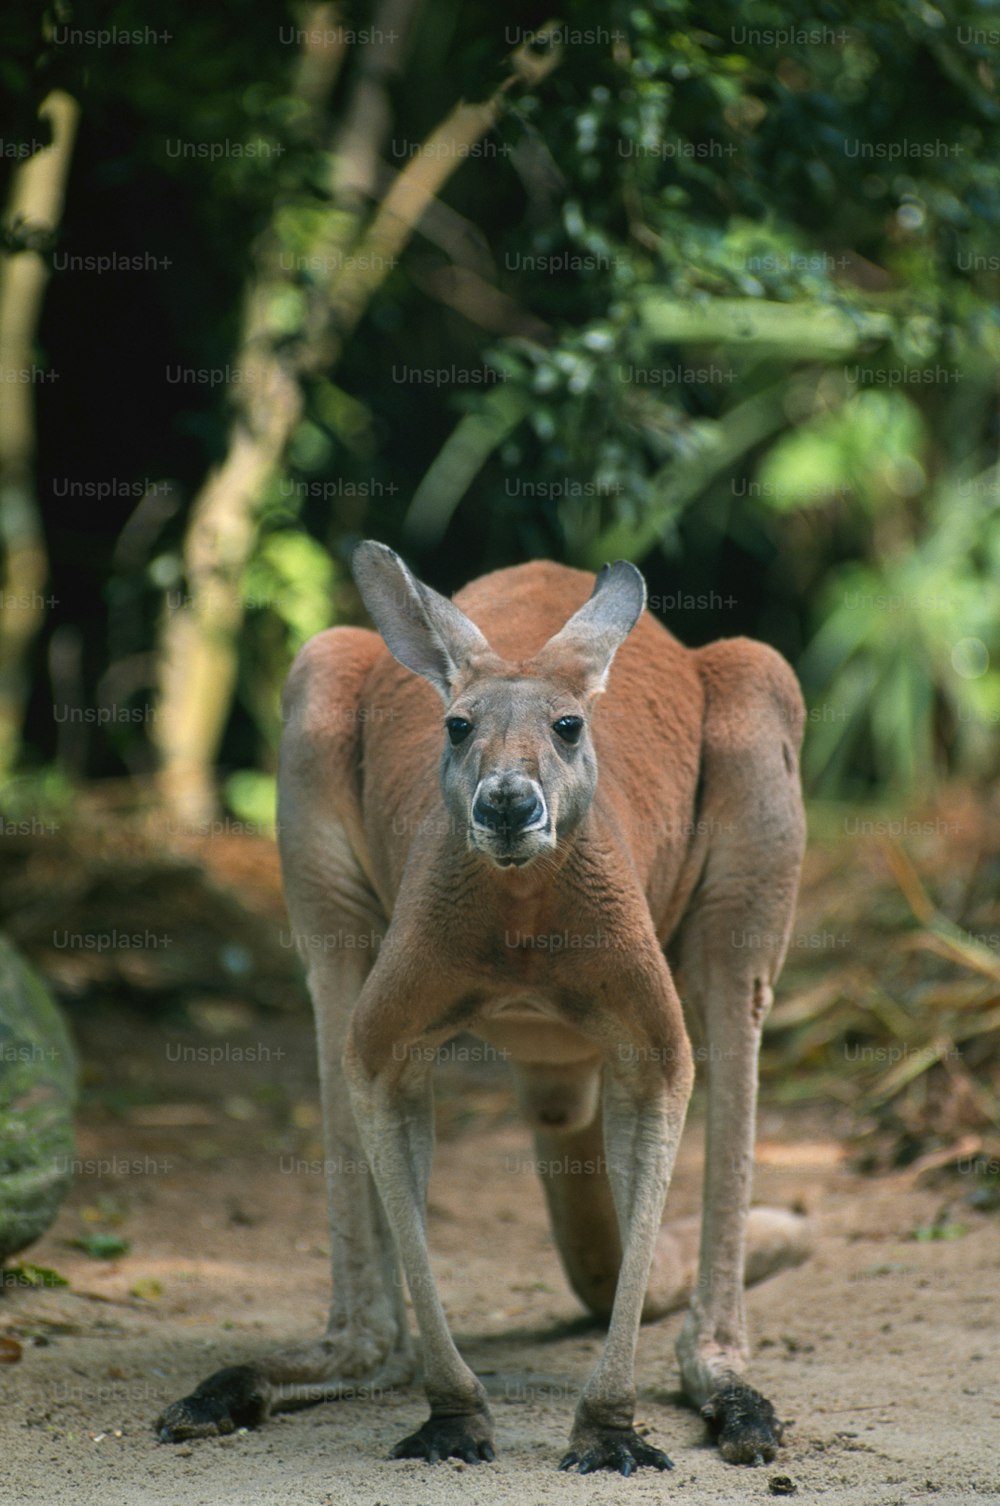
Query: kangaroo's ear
point(594, 634)
point(423, 630)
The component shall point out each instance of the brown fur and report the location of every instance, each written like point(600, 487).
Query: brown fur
point(693, 831)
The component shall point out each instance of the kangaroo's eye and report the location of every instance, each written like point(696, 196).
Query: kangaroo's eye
point(569, 728)
point(458, 729)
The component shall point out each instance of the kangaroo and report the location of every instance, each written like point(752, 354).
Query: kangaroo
point(598, 781)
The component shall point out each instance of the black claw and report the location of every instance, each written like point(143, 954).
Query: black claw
point(411, 1448)
point(618, 1450)
point(654, 1457)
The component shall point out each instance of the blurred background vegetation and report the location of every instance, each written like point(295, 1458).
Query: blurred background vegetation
point(715, 288)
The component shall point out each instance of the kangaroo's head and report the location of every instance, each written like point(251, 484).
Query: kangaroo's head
point(518, 769)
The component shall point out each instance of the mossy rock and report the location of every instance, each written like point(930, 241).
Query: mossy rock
point(37, 1091)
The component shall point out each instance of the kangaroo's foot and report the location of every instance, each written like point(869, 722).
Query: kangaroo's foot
point(468, 1436)
point(244, 1396)
point(237, 1397)
point(618, 1449)
point(744, 1424)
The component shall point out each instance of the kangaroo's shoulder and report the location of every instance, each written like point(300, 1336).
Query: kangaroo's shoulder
point(745, 682)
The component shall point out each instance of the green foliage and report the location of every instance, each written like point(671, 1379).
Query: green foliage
point(288, 596)
point(252, 796)
point(24, 1273)
point(102, 1246)
point(864, 448)
point(780, 294)
point(752, 326)
point(908, 654)
point(927, 1233)
point(43, 795)
point(292, 577)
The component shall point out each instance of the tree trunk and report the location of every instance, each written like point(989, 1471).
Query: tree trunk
point(199, 639)
point(33, 214)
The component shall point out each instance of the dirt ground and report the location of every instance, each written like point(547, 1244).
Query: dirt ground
point(881, 1352)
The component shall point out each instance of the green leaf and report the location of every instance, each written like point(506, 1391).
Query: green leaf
point(147, 1288)
point(101, 1246)
point(252, 797)
point(23, 1273)
point(292, 576)
point(929, 1232)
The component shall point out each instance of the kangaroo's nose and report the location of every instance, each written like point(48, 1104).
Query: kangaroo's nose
point(507, 808)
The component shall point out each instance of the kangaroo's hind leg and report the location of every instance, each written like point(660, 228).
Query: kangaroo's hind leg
point(730, 947)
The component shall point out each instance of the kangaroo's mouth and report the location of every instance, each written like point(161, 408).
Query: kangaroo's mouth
point(511, 849)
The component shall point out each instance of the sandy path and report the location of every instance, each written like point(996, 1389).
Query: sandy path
point(882, 1350)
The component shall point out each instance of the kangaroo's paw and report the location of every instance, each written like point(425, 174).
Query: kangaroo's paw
point(238, 1397)
point(744, 1425)
point(467, 1436)
point(618, 1449)
point(244, 1396)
